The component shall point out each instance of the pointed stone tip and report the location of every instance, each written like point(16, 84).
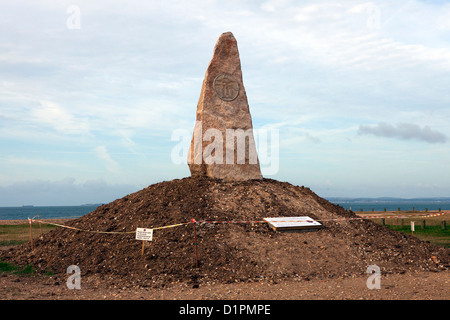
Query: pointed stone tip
point(226, 46)
point(228, 35)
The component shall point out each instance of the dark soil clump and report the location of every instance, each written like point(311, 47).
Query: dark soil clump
point(226, 252)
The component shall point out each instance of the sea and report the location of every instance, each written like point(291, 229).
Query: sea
point(51, 212)
point(392, 204)
point(356, 205)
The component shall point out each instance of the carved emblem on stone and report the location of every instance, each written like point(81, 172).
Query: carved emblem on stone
point(226, 87)
point(223, 118)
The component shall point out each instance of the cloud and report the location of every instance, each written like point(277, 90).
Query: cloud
point(62, 192)
point(27, 161)
point(59, 118)
point(404, 131)
point(102, 153)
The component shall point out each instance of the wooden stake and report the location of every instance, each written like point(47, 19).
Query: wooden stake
point(143, 244)
point(31, 235)
point(195, 243)
point(40, 225)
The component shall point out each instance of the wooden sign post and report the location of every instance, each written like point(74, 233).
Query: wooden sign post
point(40, 225)
point(144, 234)
point(31, 233)
point(195, 243)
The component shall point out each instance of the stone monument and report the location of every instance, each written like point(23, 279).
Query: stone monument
point(223, 144)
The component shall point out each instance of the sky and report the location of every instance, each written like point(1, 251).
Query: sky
point(92, 94)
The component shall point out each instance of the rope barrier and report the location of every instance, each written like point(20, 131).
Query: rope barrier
point(228, 222)
point(107, 232)
point(408, 216)
point(325, 220)
point(235, 222)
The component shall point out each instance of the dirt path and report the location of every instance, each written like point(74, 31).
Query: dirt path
point(410, 286)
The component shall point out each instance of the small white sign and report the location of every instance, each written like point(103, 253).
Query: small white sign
point(293, 223)
point(144, 234)
point(412, 226)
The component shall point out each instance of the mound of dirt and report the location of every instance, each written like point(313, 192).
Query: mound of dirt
point(226, 252)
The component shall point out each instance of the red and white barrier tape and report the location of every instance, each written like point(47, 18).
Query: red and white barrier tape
point(238, 222)
point(323, 220)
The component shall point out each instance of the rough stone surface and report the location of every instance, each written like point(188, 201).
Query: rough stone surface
point(223, 105)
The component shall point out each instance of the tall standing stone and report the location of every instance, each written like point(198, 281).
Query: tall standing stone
point(223, 144)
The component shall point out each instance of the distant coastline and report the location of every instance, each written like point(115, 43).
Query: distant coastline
point(392, 204)
point(46, 212)
point(50, 206)
point(388, 199)
point(354, 204)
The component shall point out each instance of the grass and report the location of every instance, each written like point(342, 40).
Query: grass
point(11, 268)
point(20, 233)
point(11, 242)
point(432, 232)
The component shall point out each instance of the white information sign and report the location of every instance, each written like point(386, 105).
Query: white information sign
point(293, 223)
point(144, 234)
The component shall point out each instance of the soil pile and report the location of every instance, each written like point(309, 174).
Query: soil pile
point(226, 252)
